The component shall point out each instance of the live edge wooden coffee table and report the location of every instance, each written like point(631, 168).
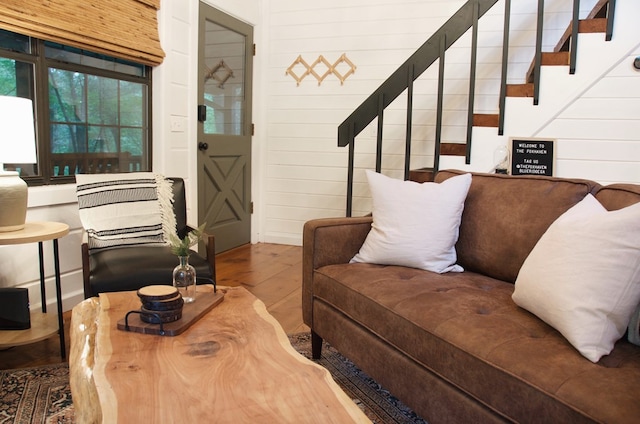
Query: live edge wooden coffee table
point(233, 365)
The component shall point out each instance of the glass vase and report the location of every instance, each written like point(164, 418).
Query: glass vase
point(184, 279)
point(501, 159)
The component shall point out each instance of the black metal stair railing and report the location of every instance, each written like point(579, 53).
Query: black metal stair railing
point(434, 48)
point(402, 79)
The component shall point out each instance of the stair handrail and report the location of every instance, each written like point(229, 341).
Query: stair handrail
point(400, 80)
point(433, 49)
point(419, 62)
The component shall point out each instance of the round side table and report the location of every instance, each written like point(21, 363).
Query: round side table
point(42, 325)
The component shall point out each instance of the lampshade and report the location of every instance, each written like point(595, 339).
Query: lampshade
point(17, 145)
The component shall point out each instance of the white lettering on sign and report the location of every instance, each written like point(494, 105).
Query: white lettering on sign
point(532, 169)
point(532, 157)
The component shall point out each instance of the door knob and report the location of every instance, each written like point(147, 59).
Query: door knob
point(203, 146)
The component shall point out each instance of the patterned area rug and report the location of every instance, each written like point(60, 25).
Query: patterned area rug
point(36, 395)
point(42, 394)
point(376, 402)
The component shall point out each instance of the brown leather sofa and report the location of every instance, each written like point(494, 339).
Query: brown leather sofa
point(455, 347)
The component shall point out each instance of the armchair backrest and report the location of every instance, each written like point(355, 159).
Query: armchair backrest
point(180, 205)
point(131, 267)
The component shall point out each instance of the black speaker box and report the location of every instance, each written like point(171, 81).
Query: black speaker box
point(14, 309)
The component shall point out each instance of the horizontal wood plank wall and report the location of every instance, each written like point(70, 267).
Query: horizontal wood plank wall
point(598, 134)
point(306, 172)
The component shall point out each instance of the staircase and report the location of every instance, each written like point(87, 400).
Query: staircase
point(518, 103)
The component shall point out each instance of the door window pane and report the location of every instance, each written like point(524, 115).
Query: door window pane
point(224, 80)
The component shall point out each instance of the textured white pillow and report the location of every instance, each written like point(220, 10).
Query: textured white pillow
point(414, 225)
point(583, 275)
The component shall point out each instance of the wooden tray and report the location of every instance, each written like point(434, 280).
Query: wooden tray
point(191, 312)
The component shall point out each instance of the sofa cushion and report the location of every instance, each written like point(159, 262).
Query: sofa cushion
point(504, 216)
point(583, 275)
point(465, 328)
point(414, 225)
point(613, 197)
point(618, 196)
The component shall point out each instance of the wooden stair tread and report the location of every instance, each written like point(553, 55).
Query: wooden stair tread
point(596, 21)
point(520, 90)
point(555, 58)
point(453, 149)
point(585, 26)
point(422, 175)
point(486, 120)
point(549, 59)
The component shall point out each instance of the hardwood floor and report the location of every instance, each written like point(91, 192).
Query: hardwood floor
point(272, 272)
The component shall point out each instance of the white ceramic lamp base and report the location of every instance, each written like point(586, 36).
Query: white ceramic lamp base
point(13, 201)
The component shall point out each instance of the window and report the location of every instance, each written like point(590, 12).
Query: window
point(92, 111)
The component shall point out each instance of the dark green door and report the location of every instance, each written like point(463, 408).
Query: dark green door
point(224, 127)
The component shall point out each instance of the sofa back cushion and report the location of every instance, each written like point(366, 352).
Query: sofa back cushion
point(618, 196)
point(504, 216)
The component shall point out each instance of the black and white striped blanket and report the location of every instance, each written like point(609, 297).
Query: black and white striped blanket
point(125, 209)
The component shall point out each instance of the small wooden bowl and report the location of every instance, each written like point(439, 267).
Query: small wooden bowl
point(160, 304)
point(157, 292)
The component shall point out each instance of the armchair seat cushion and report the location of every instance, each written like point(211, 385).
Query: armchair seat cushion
point(126, 269)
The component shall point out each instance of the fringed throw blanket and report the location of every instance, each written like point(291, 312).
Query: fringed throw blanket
point(125, 209)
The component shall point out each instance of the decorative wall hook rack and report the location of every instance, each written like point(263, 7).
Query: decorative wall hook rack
point(213, 73)
point(310, 69)
point(299, 61)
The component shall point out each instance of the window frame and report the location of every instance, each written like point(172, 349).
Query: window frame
point(41, 65)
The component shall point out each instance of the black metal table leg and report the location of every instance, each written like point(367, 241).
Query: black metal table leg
point(56, 263)
point(43, 293)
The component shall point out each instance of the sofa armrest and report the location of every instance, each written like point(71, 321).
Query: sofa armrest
point(325, 242)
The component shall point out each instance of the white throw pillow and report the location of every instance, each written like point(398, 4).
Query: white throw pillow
point(125, 209)
point(583, 275)
point(414, 225)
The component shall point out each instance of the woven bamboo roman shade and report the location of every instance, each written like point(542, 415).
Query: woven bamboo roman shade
point(127, 29)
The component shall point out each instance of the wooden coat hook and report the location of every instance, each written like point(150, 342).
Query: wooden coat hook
point(331, 69)
point(213, 73)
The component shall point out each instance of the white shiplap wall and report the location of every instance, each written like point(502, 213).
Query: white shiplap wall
point(599, 134)
point(306, 173)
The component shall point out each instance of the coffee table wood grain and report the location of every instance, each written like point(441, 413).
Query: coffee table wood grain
point(234, 365)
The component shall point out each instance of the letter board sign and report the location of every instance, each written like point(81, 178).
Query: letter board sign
point(532, 156)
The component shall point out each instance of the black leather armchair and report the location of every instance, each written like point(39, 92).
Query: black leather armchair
point(130, 268)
